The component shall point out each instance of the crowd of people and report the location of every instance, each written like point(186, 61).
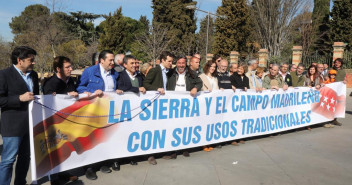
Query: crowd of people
point(124, 73)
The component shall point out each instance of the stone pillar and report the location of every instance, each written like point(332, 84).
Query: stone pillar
point(263, 57)
point(234, 57)
point(209, 57)
point(339, 48)
point(296, 55)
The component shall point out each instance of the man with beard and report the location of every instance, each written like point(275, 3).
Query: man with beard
point(61, 83)
point(181, 78)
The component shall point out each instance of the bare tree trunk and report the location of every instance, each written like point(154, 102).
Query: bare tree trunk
point(273, 22)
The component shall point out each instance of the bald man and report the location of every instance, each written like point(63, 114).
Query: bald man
point(194, 64)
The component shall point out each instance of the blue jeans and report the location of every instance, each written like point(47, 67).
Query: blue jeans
point(15, 147)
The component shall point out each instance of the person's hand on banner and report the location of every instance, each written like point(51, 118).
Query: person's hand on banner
point(87, 93)
point(28, 96)
point(142, 90)
point(193, 92)
point(285, 87)
point(234, 88)
point(118, 91)
point(73, 94)
point(99, 93)
point(161, 91)
point(275, 88)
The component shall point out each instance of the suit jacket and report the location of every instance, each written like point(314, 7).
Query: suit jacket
point(55, 84)
point(288, 79)
point(298, 81)
point(154, 79)
point(14, 113)
point(191, 78)
point(91, 79)
point(124, 82)
point(238, 82)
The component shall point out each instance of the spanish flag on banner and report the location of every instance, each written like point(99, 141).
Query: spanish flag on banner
point(56, 137)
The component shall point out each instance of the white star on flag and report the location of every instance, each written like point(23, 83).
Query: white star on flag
point(322, 104)
point(328, 107)
point(325, 99)
point(332, 101)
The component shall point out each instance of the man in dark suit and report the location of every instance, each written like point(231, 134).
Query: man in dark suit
point(156, 80)
point(98, 79)
point(129, 79)
point(18, 85)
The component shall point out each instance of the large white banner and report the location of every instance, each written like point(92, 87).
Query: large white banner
point(67, 133)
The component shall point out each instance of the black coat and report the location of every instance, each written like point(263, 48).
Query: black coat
point(191, 77)
point(124, 82)
point(14, 113)
point(224, 81)
point(55, 84)
point(238, 82)
point(154, 79)
point(288, 80)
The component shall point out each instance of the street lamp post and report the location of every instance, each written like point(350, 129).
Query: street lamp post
point(194, 7)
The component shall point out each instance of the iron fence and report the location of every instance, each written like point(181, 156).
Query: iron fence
point(323, 59)
point(347, 58)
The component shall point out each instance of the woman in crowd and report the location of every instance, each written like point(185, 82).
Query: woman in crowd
point(239, 79)
point(210, 82)
point(313, 79)
point(255, 81)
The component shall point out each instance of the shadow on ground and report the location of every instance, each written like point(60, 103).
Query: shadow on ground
point(348, 112)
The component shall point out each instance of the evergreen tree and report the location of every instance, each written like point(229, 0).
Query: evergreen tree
point(320, 19)
point(180, 22)
point(113, 35)
point(119, 32)
point(144, 20)
point(233, 31)
point(341, 22)
point(21, 24)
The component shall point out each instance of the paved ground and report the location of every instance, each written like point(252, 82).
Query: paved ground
point(320, 156)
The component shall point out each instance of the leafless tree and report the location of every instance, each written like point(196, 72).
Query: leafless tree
point(273, 21)
point(43, 35)
point(153, 41)
point(5, 54)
